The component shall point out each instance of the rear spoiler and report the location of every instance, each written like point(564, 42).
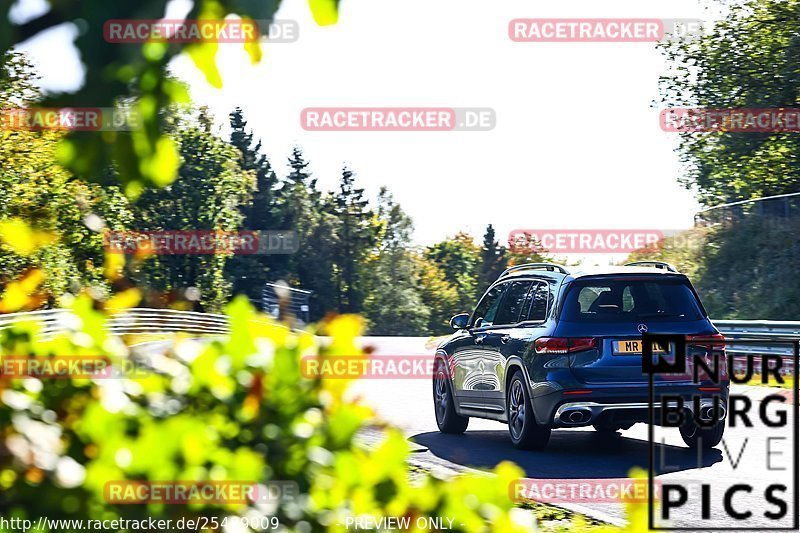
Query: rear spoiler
point(655, 264)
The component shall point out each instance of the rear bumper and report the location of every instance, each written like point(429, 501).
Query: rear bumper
point(617, 403)
point(577, 414)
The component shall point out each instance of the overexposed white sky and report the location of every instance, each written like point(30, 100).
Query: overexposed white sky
point(576, 145)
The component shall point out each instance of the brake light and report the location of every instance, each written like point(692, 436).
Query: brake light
point(708, 342)
point(711, 344)
point(558, 345)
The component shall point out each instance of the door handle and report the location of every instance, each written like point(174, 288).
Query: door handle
point(479, 339)
point(505, 338)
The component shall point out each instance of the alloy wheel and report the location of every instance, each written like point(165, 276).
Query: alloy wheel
point(516, 409)
point(440, 392)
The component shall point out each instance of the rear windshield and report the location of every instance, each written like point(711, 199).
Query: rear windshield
point(629, 300)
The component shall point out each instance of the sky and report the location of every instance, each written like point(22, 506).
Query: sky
point(576, 144)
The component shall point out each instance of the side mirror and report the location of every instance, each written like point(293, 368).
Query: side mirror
point(460, 321)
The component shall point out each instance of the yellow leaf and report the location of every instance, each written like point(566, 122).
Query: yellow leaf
point(113, 265)
point(18, 292)
point(124, 300)
point(253, 46)
point(345, 328)
point(204, 57)
point(21, 238)
point(325, 12)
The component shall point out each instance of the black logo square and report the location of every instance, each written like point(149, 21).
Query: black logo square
point(663, 365)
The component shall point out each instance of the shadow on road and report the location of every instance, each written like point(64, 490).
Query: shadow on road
point(569, 455)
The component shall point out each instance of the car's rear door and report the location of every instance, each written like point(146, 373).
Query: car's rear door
point(614, 310)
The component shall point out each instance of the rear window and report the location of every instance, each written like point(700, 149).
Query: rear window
point(629, 300)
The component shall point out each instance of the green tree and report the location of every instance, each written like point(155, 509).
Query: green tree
point(356, 229)
point(449, 280)
point(304, 209)
point(37, 191)
point(394, 304)
point(439, 296)
point(249, 273)
point(751, 59)
point(206, 196)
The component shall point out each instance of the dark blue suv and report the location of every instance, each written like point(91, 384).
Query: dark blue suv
point(555, 347)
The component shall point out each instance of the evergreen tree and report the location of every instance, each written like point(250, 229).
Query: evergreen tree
point(298, 199)
point(492, 261)
point(249, 273)
point(260, 212)
point(394, 304)
point(304, 210)
point(357, 235)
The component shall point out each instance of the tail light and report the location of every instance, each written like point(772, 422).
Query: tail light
point(708, 342)
point(711, 344)
point(557, 345)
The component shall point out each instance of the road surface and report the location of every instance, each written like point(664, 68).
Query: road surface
point(583, 454)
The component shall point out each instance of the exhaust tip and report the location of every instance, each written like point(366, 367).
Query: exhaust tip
point(576, 416)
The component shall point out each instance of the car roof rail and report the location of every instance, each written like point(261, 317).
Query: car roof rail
point(655, 264)
point(535, 266)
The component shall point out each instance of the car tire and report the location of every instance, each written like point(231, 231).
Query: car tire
point(525, 432)
point(697, 436)
point(448, 420)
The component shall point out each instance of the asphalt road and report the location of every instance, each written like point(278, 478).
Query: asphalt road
point(582, 454)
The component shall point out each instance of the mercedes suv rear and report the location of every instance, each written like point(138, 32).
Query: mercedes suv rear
point(548, 347)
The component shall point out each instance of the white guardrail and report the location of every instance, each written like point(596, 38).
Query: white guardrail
point(138, 320)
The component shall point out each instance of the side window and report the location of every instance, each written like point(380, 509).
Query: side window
point(536, 303)
point(487, 309)
point(513, 303)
